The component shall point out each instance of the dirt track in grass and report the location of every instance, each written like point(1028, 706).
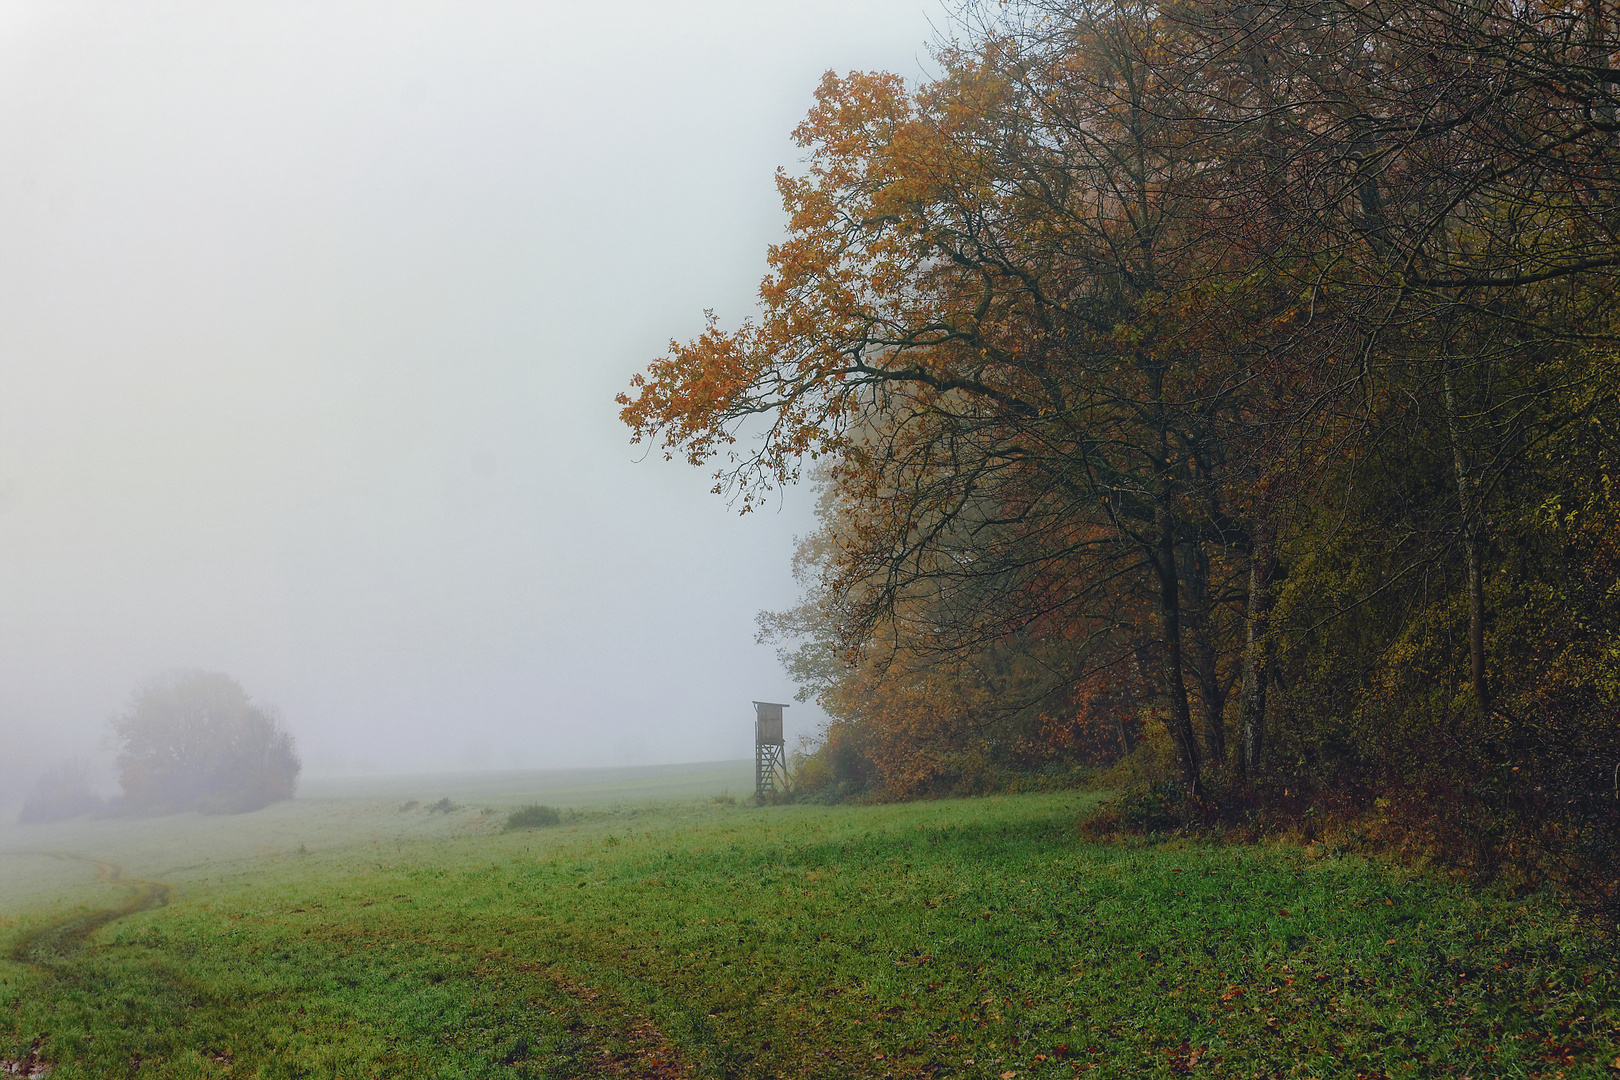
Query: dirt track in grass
point(49, 945)
point(638, 1047)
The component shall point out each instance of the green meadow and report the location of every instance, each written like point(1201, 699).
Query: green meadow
point(368, 929)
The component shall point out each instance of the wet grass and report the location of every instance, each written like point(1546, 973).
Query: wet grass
point(978, 938)
point(55, 941)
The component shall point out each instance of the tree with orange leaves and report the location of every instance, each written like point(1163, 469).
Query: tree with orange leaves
point(1238, 337)
point(912, 716)
point(1001, 311)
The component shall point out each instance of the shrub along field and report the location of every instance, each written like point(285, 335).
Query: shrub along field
point(972, 938)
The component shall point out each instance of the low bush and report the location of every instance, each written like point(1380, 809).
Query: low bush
point(533, 816)
point(1162, 807)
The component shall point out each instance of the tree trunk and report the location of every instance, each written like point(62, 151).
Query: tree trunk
point(1257, 652)
point(1127, 741)
point(1175, 686)
point(1468, 502)
point(1201, 658)
point(1162, 555)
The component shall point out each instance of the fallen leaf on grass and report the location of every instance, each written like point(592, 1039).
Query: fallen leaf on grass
point(23, 1067)
point(1184, 1058)
point(30, 1066)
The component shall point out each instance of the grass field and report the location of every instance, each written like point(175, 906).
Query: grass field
point(660, 933)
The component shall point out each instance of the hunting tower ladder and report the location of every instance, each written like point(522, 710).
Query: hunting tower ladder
point(770, 756)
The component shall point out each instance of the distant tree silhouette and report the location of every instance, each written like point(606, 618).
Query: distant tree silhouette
point(193, 740)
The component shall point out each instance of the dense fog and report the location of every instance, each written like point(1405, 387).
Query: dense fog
point(311, 319)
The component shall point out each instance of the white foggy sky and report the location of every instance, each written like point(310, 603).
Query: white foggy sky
point(311, 318)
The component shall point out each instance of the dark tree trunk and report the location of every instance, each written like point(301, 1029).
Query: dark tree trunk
point(1127, 741)
point(1175, 685)
point(1256, 653)
point(1201, 658)
point(1468, 502)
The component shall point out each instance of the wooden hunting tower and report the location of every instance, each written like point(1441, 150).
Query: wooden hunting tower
point(770, 757)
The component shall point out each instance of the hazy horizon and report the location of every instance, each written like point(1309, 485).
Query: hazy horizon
point(311, 319)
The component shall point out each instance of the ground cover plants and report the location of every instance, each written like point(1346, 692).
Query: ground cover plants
point(973, 938)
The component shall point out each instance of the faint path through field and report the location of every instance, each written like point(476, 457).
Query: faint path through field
point(49, 945)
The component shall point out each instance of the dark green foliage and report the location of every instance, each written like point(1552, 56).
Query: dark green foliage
point(1161, 807)
point(533, 816)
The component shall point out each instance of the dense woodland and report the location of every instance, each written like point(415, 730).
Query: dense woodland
point(1231, 388)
